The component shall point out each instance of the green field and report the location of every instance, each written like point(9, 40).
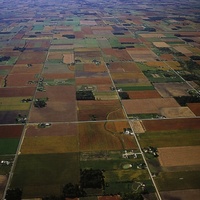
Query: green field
point(8, 145)
point(170, 138)
point(135, 87)
point(167, 181)
point(38, 27)
point(44, 175)
point(13, 103)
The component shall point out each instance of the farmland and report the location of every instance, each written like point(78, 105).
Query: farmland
point(100, 100)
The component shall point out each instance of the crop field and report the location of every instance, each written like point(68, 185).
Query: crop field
point(177, 156)
point(195, 108)
point(14, 131)
point(32, 57)
point(170, 138)
point(8, 145)
point(13, 103)
point(91, 67)
point(181, 194)
point(124, 67)
point(41, 175)
point(136, 106)
point(93, 81)
point(96, 136)
point(105, 95)
point(9, 117)
point(25, 69)
point(170, 124)
point(55, 68)
point(101, 110)
point(17, 92)
point(182, 180)
point(177, 112)
point(14, 80)
point(172, 89)
point(148, 94)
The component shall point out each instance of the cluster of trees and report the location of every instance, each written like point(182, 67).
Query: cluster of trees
point(85, 95)
point(4, 58)
point(21, 49)
point(69, 36)
point(183, 100)
point(123, 95)
point(14, 194)
point(40, 103)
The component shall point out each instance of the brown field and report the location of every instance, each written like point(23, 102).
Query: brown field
point(128, 77)
point(21, 80)
point(115, 197)
point(38, 43)
point(195, 108)
point(174, 65)
point(193, 194)
point(61, 105)
point(91, 67)
point(55, 55)
point(172, 89)
point(103, 88)
point(159, 65)
point(171, 124)
point(152, 35)
point(138, 126)
point(141, 54)
point(160, 44)
point(127, 40)
point(13, 131)
point(167, 57)
point(57, 68)
point(137, 106)
point(65, 129)
point(3, 181)
point(101, 109)
point(32, 57)
point(120, 54)
point(179, 156)
point(17, 92)
point(143, 94)
point(96, 137)
point(177, 112)
point(68, 58)
point(24, 69)
point(124, 67)
point(78, 35)
point(93, 81)
point(183, 50)
point(50, 76)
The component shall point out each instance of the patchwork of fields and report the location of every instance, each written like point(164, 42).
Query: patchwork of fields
point(109, 88)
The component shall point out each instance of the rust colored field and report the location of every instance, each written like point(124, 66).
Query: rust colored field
point(171, 124)
point(65, 129)
point(138, 106)
point(68, 58)
point(94, 137)
point(102, 88)
point(32, 57)
point(152, 35)
point(93, 81)
point(172, 89)
point(3, 182)
point(179, 156)
point(17, 92)
point(90, 67)
point(158, 64)
point(23, 68)
point(120, 54)
point(143, 94)
point(176, 112)
point(117, 126)
point(195, 108)
point(174, 65)
point(167, 57)
point(21, 80)
point(183, 50)
point(13, 131)
point(100, 110)
point(124, 67)
point(181, 194)
point(127, 40)
point(86, 30)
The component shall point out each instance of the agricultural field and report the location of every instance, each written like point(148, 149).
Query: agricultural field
point(100, 100)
